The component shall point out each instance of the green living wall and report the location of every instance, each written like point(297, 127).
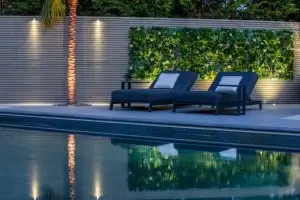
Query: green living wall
point(207, 51)
point(150, 170)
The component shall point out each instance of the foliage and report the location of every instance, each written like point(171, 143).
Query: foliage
point(21, 7)
point(149, 170)
point(287, 10)
point(127, 8)
point(104, 8)
point(207, 51)
point(239, 9)
point(271, 53)
point(269, 9)
point(53, 11)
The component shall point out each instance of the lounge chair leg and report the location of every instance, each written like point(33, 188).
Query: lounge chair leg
point(123, 105)
point(260, 105)
point(129, 105)
point(174, 108)
point(111, 106)
point(244, 110)
point(238, 110)
point(217, 110)
point(150, 107)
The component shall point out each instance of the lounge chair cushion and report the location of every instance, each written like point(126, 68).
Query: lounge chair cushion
point(249, 80)
point(184, 82)
point(229, 80)
point(166, 80)
point(143, 95)
point(206, 97)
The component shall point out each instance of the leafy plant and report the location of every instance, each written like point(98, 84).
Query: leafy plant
point(207, 51)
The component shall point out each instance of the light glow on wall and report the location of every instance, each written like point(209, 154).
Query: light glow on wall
point(98, 30)
point(34, 29)
point(97, 40)
point(269, 90)
point(34, 38)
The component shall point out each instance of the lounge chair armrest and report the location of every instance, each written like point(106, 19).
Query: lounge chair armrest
point(230, 85)
point(135, 81)
point(130, 82)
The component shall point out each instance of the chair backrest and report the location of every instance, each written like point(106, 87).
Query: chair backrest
point(249, 80)
point(185, 81)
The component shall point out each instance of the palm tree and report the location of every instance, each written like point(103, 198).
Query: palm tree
point(53, 12)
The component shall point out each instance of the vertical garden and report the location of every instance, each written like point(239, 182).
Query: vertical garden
point(207, 51)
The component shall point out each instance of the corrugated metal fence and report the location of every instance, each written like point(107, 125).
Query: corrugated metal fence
point(33, 61)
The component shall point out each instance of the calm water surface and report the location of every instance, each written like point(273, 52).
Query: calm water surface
point(34, 165)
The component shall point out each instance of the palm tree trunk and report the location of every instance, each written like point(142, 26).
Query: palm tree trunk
point(72, 92)
point(71, 166)
point(71, 52)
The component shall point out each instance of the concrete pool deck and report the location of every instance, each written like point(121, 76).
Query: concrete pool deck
point(256, 128)
point(275, 118)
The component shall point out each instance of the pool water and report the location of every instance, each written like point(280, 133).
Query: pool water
point(36, 165)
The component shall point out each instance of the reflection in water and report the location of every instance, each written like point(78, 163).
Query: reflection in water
point(97, 183)
point(149, 170)
point(71, 166)
point(41, 165)
point(97, 190)
point(35, 185)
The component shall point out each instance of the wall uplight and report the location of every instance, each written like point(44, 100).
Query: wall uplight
point(33, 20)
point(98, 22)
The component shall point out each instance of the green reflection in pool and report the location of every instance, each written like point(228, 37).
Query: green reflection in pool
point(148, 169)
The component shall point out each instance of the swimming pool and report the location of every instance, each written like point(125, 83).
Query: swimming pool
point(34, 165)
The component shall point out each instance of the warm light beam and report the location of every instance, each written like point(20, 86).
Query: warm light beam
point(34, 39)
point(97, 41)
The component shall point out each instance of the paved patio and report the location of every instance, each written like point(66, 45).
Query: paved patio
point(271, 118)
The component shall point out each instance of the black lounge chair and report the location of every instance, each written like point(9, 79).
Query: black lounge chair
point(228, 90)
point(157, 93)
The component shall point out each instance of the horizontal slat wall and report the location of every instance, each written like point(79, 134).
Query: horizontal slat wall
point(102, 56)
point(33, 64)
